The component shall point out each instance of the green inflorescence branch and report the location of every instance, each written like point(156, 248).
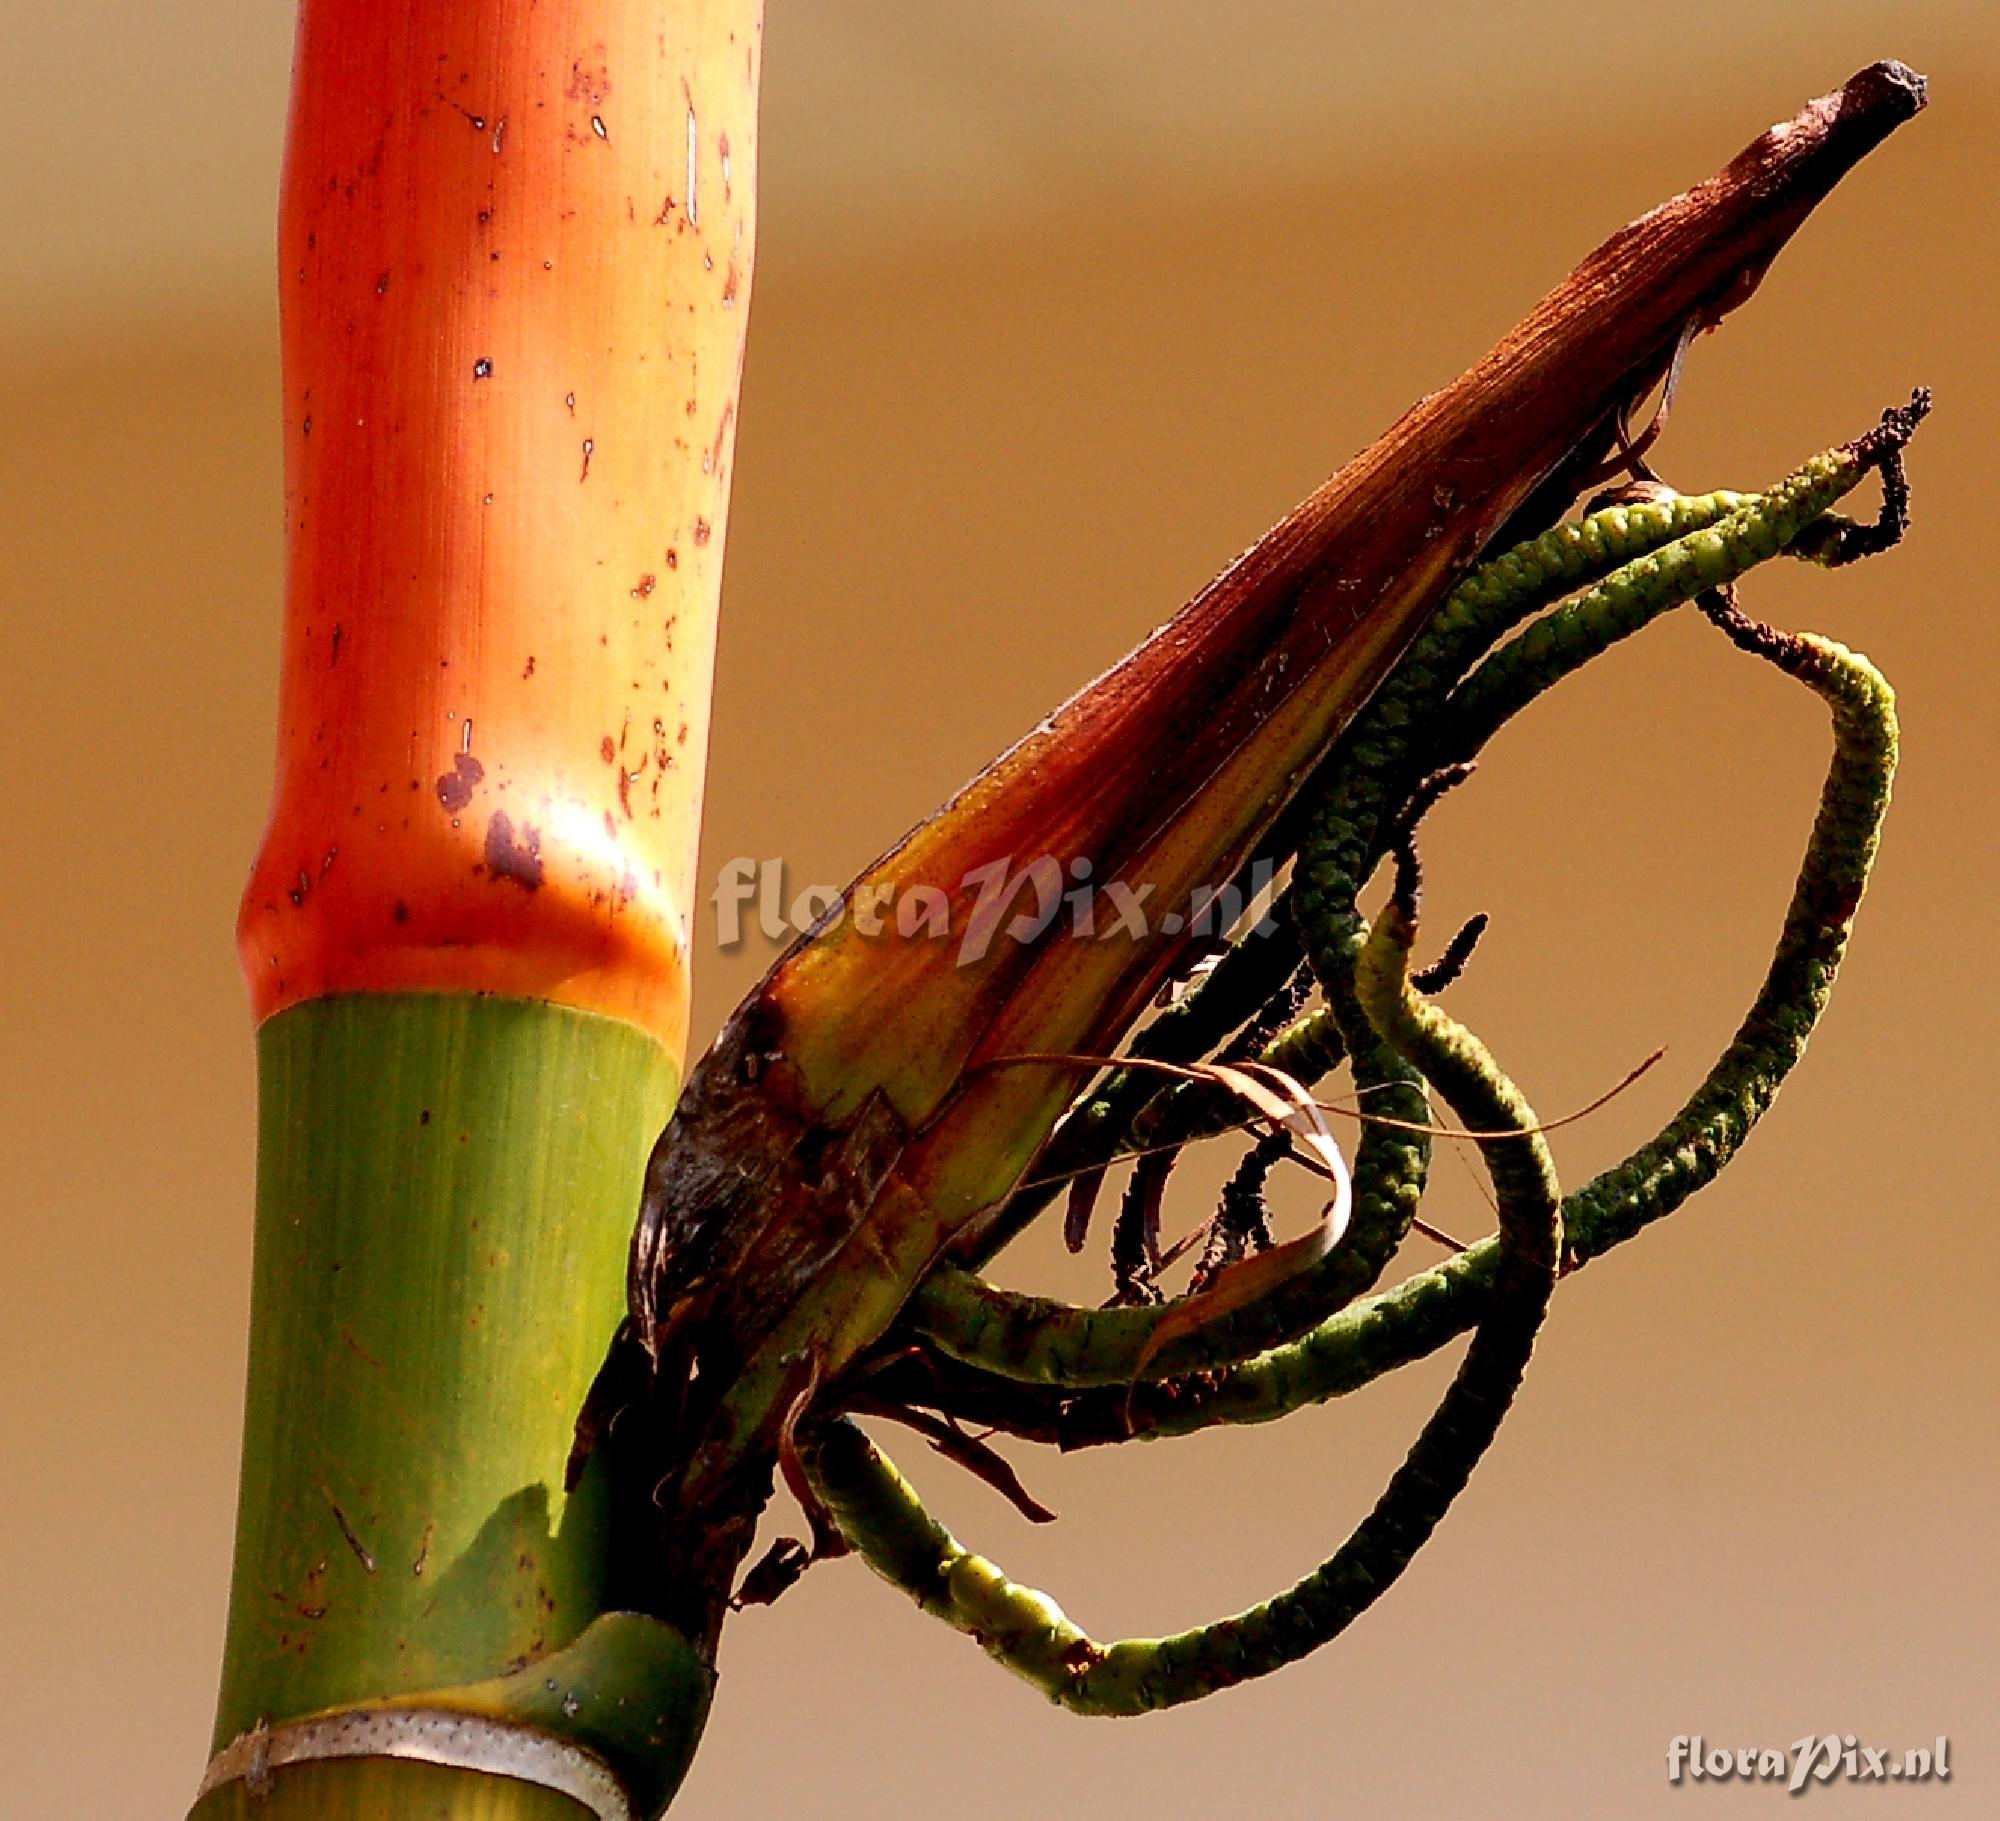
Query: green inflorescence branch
point(1634, 562)
point(881, 1516)
point(1077, 1376)
point(1427, 1310)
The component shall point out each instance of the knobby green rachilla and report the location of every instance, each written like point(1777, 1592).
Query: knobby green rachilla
point(1075, 1376)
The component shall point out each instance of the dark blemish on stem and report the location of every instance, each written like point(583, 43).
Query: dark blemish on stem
point(589, 448)
point(360, 1549)
point(482, 368)
point(517, 860)
point(422, 1561)
point(454, 788)
point(607, 750)
point(338, 632)
point(354, 1346)
point(589, 81)
point(702, 531)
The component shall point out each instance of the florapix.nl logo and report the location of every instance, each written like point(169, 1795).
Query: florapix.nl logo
point(1817, 1758)
point(1000, 900)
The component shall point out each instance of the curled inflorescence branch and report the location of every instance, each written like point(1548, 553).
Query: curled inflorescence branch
point(1324, 985)
point(883, 1519)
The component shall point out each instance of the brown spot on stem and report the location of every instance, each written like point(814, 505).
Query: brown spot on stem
point(589, 77)
point(454, 788)
point(311, 1604)
point(508, 858)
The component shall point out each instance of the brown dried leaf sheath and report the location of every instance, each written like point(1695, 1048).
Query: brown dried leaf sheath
point(841, 1125)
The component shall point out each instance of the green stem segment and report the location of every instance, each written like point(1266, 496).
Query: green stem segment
point(445, 1187)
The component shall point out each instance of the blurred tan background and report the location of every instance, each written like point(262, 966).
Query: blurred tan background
point(1057, 306)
